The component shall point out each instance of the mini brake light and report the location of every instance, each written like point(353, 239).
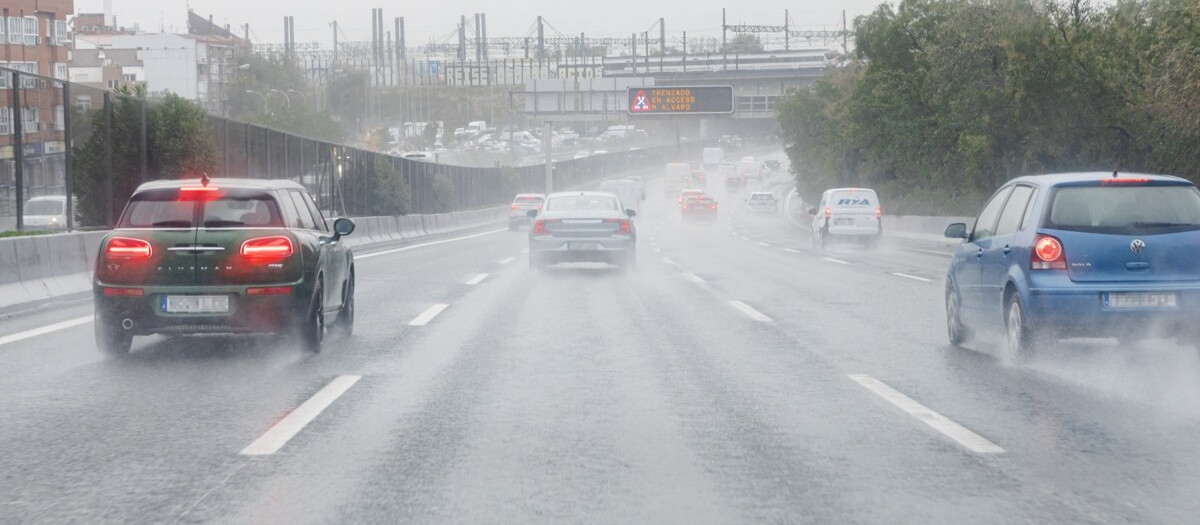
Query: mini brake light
point(269, 290)
point(1047, 254)
point(123, 292)
point(278, 247)
point(130, 248)
point(198, 189)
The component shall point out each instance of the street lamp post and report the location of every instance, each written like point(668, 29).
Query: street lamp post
point(285, 97)
point(302, 95)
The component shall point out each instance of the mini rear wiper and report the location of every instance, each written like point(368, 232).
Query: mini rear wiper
point(222, 224)
point(172, 224)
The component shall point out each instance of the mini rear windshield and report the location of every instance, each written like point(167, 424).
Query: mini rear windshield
point(852, 199)
point(164, 209)
point(1125, 210)
point(582, 203)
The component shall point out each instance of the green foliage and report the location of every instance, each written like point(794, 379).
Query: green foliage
point(744, 43)
point(389, 192)
point(946, 99)
point(178, 143)
point(445, 195)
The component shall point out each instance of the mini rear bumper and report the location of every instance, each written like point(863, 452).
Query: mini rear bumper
point(146, 315)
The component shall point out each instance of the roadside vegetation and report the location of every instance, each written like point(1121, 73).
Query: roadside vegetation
point(943, 100)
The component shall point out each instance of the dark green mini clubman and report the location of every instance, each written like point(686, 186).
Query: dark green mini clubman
point(223, 256)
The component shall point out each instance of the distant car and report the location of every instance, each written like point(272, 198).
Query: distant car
point(687, 194)
point(762, 201)
point(699, 207)
point(772, 165)
point(851, 214)
point(750, 169)
point(641, 182)
point(585, 226)
point(699, 179)
point(46, 213)
point(1080, 254)
point(223, 256)
point(677, 176)
point(522, 204)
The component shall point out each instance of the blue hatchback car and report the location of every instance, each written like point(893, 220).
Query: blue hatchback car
point(1081, 254)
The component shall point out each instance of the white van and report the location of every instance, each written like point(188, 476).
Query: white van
point(852, 214)
point(678, 176)
point(713, 156)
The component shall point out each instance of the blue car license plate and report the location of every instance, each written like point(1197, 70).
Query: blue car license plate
point(1141, 300)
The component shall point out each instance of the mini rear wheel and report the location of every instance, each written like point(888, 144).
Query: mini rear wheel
point(111, 340)
point(311, 331)
point(344, 325)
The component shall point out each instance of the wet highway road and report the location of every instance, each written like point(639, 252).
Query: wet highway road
point(736, 376)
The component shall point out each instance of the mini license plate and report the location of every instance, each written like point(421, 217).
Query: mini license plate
point(583, 246)
point(843, 222)
point(195, 304)
point(1141, 300)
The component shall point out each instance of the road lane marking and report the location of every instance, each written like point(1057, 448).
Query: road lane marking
point(507, 260)
point(930, 252)
point(913, 277)
point(836, 261)
point(694, 278)
point(750, 312)
point(280, 433)
point(789, 250)
point(972, 441)
point(477, 279)
point(48, 329)
point(656, 250)
point(670, 262)
point(423, 245)
point(768, 245)
point(525, 251)
point(428, 315)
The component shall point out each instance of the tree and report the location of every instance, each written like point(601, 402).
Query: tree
point(744, 43)
point(445, 195)
point(180, 142)
point(389, 193)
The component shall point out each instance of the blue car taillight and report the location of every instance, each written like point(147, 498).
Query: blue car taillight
point(1047, 254)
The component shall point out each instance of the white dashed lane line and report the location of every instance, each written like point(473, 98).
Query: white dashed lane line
point(835, 261)
point(963, 436)
point(477, 279)
point(287, 428)
point(913, 277)
point(750, 311)
point(506, 260)
point(789, 250)
point(694, 278)
point(30, 334)
point(768, 245)
point(428, 315)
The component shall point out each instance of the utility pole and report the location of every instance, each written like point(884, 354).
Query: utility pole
point(724, 43)
point(483, 31)
point(845, 45)
point(633, 51)
point(646, 42)
point(401, 43)
point(335, 44)
point(546, 144)
point(478, 39)
point(685, 51)
point(375, 42)
point(462, 37)
point(787, 32)
point(662, 36)
point(541, 37)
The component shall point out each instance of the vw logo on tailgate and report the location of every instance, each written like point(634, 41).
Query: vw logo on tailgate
point(1137, 246)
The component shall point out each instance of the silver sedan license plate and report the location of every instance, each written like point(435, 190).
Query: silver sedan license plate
point(1141, 300)
point(196, 304)
point(583, 246)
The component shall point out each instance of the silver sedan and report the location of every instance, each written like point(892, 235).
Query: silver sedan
point(583, 226)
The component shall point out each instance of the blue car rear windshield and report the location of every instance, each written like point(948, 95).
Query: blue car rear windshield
point(1125, 210)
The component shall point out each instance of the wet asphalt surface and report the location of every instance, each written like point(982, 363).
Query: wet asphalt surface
point(582, 395)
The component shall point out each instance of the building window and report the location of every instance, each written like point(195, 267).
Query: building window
point(129, 78)
point(113, 84)
point(16, 30)
point(58, 32)
point(31, 119)
point(83, 102)
point(6, 124)
point(60, 121)
point(31, 30)
point(60, 70)
point(27, 82)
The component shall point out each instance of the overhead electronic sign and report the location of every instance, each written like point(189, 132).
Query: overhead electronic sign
point(681, 100)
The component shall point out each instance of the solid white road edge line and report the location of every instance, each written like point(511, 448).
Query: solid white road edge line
point(972, 441)
point(280, 433)
point(428, 315)
point(30, 334)
point(760, 243)
point(913, 277)
point(477, 279)
point(506, 260)
point(750, 311)
point(832, 260)
point(423, 245)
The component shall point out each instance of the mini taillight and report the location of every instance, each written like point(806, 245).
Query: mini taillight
point(269, 290)
point(130, 248)
point(268, 247)
point(124, 292)
point(878, 212)
point(1047, 254)
point(828, 212)
point(713, 206)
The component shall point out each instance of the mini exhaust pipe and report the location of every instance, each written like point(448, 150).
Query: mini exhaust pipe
point(127, 323)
